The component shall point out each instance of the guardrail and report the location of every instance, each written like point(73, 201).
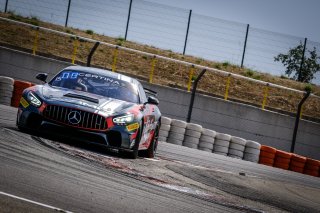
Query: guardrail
point(191, 68)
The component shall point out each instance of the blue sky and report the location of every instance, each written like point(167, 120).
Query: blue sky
point(217, 29)
point(294, 17)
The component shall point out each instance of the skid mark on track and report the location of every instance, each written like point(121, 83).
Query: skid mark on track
point(172, 183)
point(108, 162)
point(155, 171)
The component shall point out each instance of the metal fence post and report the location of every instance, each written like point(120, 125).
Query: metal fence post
point(302, 59)
point(75, 49)
point(6, 6)
point(245, 45)
point(187, 33)
point(91, 53)
point(265, 96)
point(194, 93)
point(296, 125)
point(35, 42)
point(226, 94)
point(115, 58)
point(128, 20)
point(68, 11)
point(190, 77)
point(153, 64)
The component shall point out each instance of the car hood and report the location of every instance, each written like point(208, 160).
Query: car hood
point(98, 103)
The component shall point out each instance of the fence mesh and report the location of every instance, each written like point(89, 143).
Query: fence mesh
point(46, 10)
point(212, 38)
point(263, 46)
point(103, 17)
point(158, 25)
point(2, 5)
point(164, 27)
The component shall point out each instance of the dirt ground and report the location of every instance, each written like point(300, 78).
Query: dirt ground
point(166, 73)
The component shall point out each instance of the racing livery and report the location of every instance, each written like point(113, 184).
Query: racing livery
point(95, 106)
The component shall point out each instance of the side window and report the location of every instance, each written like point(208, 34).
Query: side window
point(143, 97)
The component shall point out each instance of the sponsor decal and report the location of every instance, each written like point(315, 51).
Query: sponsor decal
point(75, 75)
point(133, 126)
point(24, 103)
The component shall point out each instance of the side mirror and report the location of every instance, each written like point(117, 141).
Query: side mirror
point(42, 77)
point(153, 100)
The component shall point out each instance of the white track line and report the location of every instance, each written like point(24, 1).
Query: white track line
point(34, 202)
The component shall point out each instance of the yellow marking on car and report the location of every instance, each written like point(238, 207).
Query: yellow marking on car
point(132, 127)
point(24, 103)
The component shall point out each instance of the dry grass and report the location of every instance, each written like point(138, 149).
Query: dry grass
point(166, 73)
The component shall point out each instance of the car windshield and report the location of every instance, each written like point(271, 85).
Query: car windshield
point(96, 84)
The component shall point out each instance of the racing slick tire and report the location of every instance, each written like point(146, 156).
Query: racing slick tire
point(176, 136)
point(193, 133)
point(206, 145)
point(152, 149)
point(237, 147)
point(163, 139)
point(224, 137)
point(251, 157)
point(165, 127)
point(207, 139)
point(163, 133)
point(174, 141)
point(178, 123)
point(221, 149)
point(165, 120)
point(177, 130)
point(224, 143)
point(239, 141)
point(253, 144)
point(237, 153)
point(194, 127)
point(209, 132)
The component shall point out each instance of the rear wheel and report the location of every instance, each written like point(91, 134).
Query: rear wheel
point(133, 154)
point(152, 149)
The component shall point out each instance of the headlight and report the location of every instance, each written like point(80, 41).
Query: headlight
point(33, 99)
point(123, 119)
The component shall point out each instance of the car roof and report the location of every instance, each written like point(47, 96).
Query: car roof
point(104, 72)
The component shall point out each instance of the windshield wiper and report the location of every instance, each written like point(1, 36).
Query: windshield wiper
point(72, 95)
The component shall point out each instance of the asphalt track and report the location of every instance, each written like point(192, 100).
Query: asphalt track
point(41, 177)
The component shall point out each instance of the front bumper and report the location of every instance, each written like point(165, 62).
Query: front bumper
point(115, 137)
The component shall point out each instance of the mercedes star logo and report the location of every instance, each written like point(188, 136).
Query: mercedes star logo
point(74, 117)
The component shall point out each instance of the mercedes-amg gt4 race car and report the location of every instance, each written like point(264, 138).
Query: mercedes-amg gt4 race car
point(95, 106)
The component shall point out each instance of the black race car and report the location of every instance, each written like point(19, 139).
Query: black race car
point(95, 106)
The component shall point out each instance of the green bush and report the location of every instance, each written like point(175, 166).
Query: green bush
point(225, 64)
point(90, 32)
point(249, 73)
point(120, 41)
point(308, 88)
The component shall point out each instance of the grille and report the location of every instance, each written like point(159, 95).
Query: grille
point(75, 117)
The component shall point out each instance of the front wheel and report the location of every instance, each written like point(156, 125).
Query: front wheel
point(129, 154)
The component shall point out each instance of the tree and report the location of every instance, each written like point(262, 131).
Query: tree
point(292, 62)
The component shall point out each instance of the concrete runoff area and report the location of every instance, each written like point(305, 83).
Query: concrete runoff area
point(85, 178)
point(248, 122)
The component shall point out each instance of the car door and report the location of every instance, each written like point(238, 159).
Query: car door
point(149, 121)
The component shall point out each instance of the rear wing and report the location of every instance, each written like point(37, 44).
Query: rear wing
point(150, 92)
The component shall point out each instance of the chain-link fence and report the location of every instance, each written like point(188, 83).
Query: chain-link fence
point(169, 28)
point(76, 48)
